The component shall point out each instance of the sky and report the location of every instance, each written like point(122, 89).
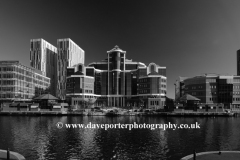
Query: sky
point(188, 37)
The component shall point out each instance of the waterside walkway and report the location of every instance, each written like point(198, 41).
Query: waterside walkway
point(13, 155)
point(58, 113)
point(223, 155)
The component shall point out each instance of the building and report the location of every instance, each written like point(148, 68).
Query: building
point(19, 82)
point(43, 56)
point(152, 87)
point(214, 89)
point(53, 62)
point(179, 88)
point(169, 104)
point(69, 54)
point(238, 62)
point(80, 88)
point(121, 82)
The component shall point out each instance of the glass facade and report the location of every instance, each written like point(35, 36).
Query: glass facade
point(19, 82)
point(162, 71)
point(97, 83)
point(70, 71)
point(80, 84)
point(131, 66)
point(142, 72)
point(90, 72)
point(104, 83)
point(225, 91)
point(129, 83)
point(154, 83)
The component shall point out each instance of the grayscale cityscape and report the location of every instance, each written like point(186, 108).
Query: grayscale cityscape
point(119, 80)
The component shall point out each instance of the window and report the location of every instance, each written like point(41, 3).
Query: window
point(152, 68)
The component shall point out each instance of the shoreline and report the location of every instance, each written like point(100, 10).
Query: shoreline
point(160, 114)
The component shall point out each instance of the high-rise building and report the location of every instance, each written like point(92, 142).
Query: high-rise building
point(121, 82)
point(43, 56)
point(238, 62)
point(19, 82)
point(69, 54)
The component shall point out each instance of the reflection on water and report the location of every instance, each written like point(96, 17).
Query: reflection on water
point(39, 138)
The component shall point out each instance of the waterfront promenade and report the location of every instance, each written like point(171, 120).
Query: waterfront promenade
point(92, 113)
point(114, 112)
point(13, 155)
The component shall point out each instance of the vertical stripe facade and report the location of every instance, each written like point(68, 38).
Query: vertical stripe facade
point(69, 55)
point(43, 56)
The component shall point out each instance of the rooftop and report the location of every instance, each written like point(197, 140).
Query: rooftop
point(116, 48)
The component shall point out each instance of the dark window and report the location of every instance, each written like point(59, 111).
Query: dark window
point(130, 66)
point(152, 68)
point(90, 72)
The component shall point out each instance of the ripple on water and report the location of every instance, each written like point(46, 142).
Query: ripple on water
point(38, 138)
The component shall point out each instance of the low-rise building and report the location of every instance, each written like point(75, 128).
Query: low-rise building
point(215, 90)
point(80, 88)
point(20, 82)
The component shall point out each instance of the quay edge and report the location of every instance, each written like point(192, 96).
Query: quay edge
point(160, 114)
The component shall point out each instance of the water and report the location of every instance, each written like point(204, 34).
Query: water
point(38, 138)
